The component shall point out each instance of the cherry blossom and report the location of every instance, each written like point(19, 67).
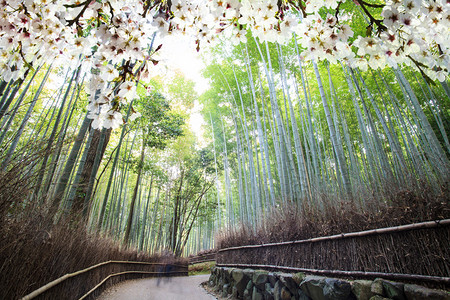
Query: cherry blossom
point(112, 38)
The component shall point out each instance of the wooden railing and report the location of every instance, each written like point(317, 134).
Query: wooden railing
point(414, 252)
point(153, 271)
point(379, 231)
point(203, 258)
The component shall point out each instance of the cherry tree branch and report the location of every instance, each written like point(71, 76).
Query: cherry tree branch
point(373, 20)
point(85, 5)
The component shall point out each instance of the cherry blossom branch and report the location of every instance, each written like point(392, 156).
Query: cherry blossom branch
point(29, 65)
point(117, 38)
point(150, 5)
point(371, 4)
point(419, 67)
point(300, 7)
point(80, 14)
point(373, 20)
point(337, 11)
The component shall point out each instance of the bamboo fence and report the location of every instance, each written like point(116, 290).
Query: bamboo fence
point(414, 252)
point(202, 258)
point(56, 290)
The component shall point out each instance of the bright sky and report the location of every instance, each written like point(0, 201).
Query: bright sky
point(179, 53)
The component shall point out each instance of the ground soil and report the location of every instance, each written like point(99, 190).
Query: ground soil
point(175, 288)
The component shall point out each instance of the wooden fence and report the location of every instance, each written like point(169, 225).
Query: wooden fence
point(418, 252)
point(201, 258)
point(90, 282)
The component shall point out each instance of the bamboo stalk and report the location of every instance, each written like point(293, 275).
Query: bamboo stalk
point(379, 231)
point(69, 275)
point(395, 276)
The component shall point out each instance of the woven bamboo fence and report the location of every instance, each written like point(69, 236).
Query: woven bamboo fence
point(90, 282)
point(420, 251)
point(202, 258)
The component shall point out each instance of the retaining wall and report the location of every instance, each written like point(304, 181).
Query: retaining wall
point(263, 285)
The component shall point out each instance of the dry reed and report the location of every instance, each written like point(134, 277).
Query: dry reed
point(33, 253)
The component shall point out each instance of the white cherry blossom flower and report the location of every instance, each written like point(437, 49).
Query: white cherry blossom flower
point(134, 116)
point(113, 119)
point(127, 90)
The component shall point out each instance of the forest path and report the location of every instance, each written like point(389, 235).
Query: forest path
point(174, 288)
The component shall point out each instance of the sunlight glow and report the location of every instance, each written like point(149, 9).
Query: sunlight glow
point(179, 54)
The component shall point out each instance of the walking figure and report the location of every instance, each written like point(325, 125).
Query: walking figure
point(169, 268)
point(161, 270)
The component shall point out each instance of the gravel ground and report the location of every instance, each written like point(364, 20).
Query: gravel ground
point(183, 288)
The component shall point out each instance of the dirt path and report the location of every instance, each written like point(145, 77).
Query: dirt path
point(183, 288)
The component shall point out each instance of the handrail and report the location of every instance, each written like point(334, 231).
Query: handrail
point(118, 274)
point(415, 226)
point(203, 258)
point(201, 261)
point(398, 276)
point(57, 281)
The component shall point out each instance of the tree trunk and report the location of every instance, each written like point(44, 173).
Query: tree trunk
point(126, 238)
point(64, 178)
point(90, 169)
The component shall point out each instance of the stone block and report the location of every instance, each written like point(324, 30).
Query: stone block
point(277, 290)
point(225, 290)
point(285, 294)
point(220, 284)
point(249, 288)
point(273, 278)
point(268, 291)
point(298, 277)
point(312, 286)
point(288, 281)
point(234, 292)
point(378, 297)
point(247, 295)
point(248, 272)
point(302, 295)
point(336, 289)
point(212, 280)
point(322, 288)
point(362, 289)
point(417, 292)
point(260, 278)
point(377, 287)
point(393, 290)
point(240, 279)
point(256, 294)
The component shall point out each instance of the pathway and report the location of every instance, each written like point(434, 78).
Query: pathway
point(183, 288)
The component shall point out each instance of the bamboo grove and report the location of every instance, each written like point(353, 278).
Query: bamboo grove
point(294, 131)
point(144, 185)
point(280, 130)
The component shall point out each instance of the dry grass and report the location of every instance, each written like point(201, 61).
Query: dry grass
point(33, 252)
point(291, 222)
point(201, 268)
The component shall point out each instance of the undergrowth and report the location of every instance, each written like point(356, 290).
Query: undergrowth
point(293, 221)
point(201, 268)
point(33, 252)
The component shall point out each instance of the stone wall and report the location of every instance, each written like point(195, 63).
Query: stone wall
point(251, 284)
